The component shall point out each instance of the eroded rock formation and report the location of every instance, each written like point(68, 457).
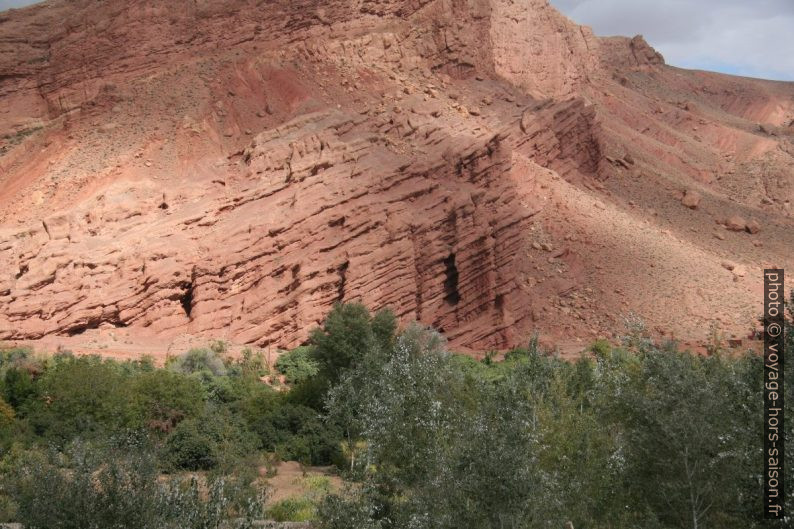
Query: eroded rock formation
point(232, 169)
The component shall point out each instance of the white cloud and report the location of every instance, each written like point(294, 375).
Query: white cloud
point(736, 36)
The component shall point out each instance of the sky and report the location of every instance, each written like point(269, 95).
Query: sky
point(8, 4)
point(741, 37)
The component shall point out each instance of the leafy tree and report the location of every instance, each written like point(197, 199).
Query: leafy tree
point(81, 397)
point(217, 439)
point(686, 427)
point(297, 365)
point(348, 332)
point(579, 450)
point(491, 475)
point(162, 399)
point(190, 447)
point(18, 387)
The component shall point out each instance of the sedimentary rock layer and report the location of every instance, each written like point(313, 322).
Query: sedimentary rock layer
point(233, 169)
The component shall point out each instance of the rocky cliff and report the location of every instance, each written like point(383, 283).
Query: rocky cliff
point(233, 169)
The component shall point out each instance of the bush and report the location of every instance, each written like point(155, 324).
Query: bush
point(81, 397)
point(251, 364)
point(296, 433)
point(14, 356)
point(292, 510)
point(8, 425)
point(297, 365)
point(215, 440)
point(116, 486)
point(162, 399)
point(601, 347)
point(190, 448)
point(18, 387)
point(197, 361)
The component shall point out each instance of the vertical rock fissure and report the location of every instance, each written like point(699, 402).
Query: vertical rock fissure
point(340, 289)
point(187, 298)
point(451, 293)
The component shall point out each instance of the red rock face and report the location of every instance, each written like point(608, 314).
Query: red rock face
point(233, 169)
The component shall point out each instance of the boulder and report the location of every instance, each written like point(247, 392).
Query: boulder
point(691, 199)
point(736, 223)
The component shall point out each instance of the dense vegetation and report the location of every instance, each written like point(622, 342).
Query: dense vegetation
point(637, 436)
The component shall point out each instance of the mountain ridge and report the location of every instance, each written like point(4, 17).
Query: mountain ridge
point(232, 169)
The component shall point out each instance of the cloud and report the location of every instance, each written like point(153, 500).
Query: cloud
point(734, 36)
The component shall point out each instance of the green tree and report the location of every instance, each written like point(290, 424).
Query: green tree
point(297, 365)
point(18, 387)
point(162, 399)
point(81, 397)
point(348, 333)
point(687, 424)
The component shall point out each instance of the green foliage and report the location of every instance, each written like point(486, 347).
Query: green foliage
point(292, 510)
point(162, 399)
point(116, 486)
point(8, 425)
point(297, 365)
point(317, 484)
point(216, 439)
point(348, 332)
point(641, 435)
point(354, 509)
point(251, 364)
point(296, 433)
point(200, 360)
point(190, 447)
point(18, 387)
point(80, 397)
point(6, 413)
point(601, 347)
point(14, 356)
point(681, 452)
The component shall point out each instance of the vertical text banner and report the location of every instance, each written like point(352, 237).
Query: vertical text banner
point(774, 433)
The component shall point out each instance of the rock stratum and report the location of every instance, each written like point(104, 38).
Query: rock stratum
point(232, 169)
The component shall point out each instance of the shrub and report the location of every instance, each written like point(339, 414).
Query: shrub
point(199, 360)
point(190, 448)
point(116, 486)
point(601, 348)
point(252, 363)
point(292, 510)
point(8, 425)
point(18, 387)
point(296, 433)
point(162, 399)
point(13, 356)
point(215, 440)
point(81, 397)
point(297, 365)
point(317, 484)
